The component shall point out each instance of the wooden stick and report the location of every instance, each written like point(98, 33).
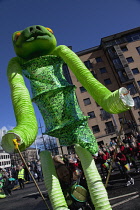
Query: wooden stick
point(16, 147)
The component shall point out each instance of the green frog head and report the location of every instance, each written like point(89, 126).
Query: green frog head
point(34, 41)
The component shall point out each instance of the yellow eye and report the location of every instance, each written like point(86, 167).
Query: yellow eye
point(50, 30)
point(16, 36)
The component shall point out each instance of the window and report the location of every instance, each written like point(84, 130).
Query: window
point(87, 101)
point(91, 115)
point(104, 115)
point(88, 64)
point(138, 83)
point(129, 59)
point(107, 81)
point(103, 70)
point(112, 52)
point(123, 76)
point(137, 102)
point(115, 41)
point(109, 127)
point(93, 73)
point(124, 48)
point(135, 71)
point(82, 89)
point(133, 37)
point(132, 88)
point(138, 49)
point(95, 129)
point(66, 73)
point(117, 63)
point(139, 113)
point(98, 59)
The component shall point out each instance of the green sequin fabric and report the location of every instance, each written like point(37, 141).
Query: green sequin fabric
point(57, 102)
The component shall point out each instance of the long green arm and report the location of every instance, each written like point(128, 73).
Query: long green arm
point(97, 190)
point(116, 102)
point(26, 128)
point(51, 182)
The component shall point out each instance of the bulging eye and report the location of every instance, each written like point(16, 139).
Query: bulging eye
point(50, 30)
point(17, 36)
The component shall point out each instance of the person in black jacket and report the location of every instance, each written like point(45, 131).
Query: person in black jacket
point(7, 186)
point(68, 181)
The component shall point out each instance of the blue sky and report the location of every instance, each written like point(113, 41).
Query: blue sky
point(77, 23)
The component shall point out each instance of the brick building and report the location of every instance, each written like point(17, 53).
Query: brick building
point(115, 63)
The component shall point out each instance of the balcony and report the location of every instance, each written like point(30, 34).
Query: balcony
point(133, 91)
point(112, 54)
point(122, 76)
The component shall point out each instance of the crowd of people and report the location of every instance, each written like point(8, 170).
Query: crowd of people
point(73, 182)
point(125, 155)
point(12, 176)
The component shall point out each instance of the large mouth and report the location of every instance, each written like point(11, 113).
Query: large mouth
point(35, 36)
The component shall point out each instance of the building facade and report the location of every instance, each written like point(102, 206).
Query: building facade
point(5, 160)
point(115, 63)
point(30, 154)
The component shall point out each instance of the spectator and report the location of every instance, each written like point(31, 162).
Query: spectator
point(73, 164)
point(31, 168)
point(7, 186)
point(1, 179)
point(102, 157)
point(138, 150)
point(69, 182)
point(112, 143)
point(121, 146)
point(124, 167)
point(66, 159)
point(125, 140)
point(14, 174)
point(138, 137)
point(132, 155)
point(126, 153)
point(21, 177)
point(38, 170)
point(111, 152)
point(133, 139)
point(129, 139)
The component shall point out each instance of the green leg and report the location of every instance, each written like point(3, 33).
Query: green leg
point(51, 182)
point(97, 190)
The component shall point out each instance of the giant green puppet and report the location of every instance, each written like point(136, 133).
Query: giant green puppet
point(40, 59)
